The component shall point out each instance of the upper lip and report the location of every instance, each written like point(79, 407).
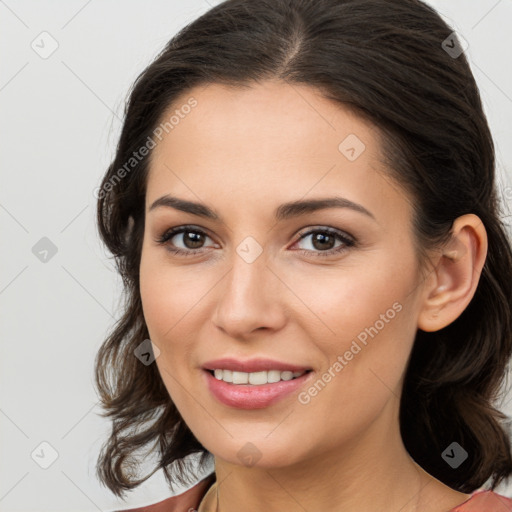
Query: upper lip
point(252, 365)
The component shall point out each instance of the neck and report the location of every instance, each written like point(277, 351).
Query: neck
point(371, 472)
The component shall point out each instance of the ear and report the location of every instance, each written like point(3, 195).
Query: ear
point(453, 281)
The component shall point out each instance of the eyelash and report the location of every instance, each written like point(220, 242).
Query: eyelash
point(347, 241)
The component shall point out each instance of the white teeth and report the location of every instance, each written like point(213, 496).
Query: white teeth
point(240, 378)
point(273, 376)
point(255, 378)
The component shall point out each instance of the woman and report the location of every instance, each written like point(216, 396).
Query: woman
point(303, 210)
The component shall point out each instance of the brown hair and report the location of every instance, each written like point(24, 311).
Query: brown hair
point(389, 61)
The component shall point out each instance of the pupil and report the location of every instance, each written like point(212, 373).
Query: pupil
point(192, 238)
point(321, 238)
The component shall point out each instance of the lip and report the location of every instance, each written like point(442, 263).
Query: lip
point(249, 396)
point(252, 365)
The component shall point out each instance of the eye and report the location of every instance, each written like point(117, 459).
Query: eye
point(192, 240)
point(321, 242)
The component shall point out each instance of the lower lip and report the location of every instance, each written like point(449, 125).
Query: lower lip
point(249, 396)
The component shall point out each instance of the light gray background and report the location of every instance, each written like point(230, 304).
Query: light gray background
point(61, 117)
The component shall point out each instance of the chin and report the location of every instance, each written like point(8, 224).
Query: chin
point(256, 454)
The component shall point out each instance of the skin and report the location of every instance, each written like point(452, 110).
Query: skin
point(243, 152)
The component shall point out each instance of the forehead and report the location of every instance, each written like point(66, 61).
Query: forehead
point(272, 116)
point(272, 138)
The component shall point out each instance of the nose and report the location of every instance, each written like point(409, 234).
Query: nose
point(250, 299)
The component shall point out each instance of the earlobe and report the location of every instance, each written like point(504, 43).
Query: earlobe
point(455, 275)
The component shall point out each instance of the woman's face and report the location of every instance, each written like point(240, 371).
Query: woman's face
point(342, 302)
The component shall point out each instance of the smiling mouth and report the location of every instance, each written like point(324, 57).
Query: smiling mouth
point(255, 378)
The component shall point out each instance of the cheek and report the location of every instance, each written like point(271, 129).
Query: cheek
point(173, 298)
point(365, 362)
point(368, 324)
point(344, 301)
point(166, 293)
point(157, 302)
point(164, 310)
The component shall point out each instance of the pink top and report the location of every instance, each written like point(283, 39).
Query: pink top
point(485, 501)
point(479, 501)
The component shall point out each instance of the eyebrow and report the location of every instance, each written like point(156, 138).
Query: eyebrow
point(283, 212)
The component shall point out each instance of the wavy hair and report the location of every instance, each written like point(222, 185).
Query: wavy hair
point(395, 63)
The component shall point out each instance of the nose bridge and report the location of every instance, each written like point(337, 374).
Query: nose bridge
point(248, 297)
point(248, 274)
